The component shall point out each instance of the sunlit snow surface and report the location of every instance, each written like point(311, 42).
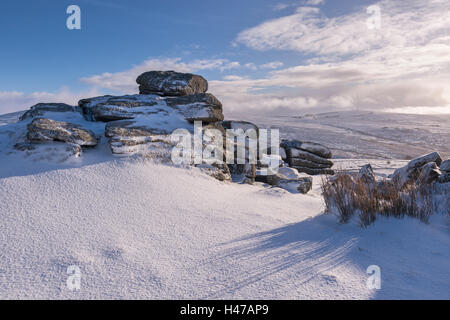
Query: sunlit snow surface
point(368, 135)
point(142, 230)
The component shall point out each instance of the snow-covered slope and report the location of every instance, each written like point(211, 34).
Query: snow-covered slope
point(137, 229)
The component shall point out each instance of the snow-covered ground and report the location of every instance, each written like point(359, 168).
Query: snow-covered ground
point(367, 135)
point(137, 229)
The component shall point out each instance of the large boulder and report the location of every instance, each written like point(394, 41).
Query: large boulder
point(198, 107)
point(171, 83)
point(411, 172)
point(42, 129)
point(41, 109)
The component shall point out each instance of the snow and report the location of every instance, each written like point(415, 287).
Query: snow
point(142, 230)
point(362, 134)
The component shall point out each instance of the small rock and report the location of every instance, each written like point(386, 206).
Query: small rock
point(366, 174)
point(301, 185)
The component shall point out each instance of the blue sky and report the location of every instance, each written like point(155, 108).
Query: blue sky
point(283, 55)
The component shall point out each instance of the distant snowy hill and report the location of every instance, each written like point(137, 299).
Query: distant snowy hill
point(368, 135)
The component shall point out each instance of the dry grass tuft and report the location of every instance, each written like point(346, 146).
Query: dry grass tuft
point(346, 195)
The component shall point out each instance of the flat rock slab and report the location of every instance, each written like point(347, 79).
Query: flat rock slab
point(314, 172)
point(42, 129)
point(198, 107)
point(305, 155)
point(310, 147)
point(171, 83)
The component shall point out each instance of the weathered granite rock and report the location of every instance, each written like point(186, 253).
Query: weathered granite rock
point(314, 172)
point(308, 164)
point(429, 173)
point(171, 83)
point(366, 174)
point(198, 107)
point(445, 166)
point(301, 185)
point(310, 147)
point(283, 154)
point(40, 109)
point(294, 154)
point(51, 151)
point(271, 179)
point(444, 177)
point(150, 140)
point(219, 171)
point(308, 157)
point(241, 135)
point(240, 125)
point(42, 129)
point(410, 172)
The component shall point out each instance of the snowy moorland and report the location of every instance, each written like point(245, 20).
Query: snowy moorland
point(143, 230)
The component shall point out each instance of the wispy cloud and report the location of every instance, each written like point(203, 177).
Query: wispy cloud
point(405, 63)
point(125, 81)
point(11, 101)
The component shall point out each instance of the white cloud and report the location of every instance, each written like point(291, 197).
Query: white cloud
point(12, 101)
point(125, 81)
point(405, 63)
point(272, 65)
point(314, 2)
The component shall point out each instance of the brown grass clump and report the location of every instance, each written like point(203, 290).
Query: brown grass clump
point(346, 195)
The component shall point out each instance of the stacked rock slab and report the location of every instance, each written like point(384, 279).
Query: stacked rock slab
point(308, 157)
point(56, 139)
